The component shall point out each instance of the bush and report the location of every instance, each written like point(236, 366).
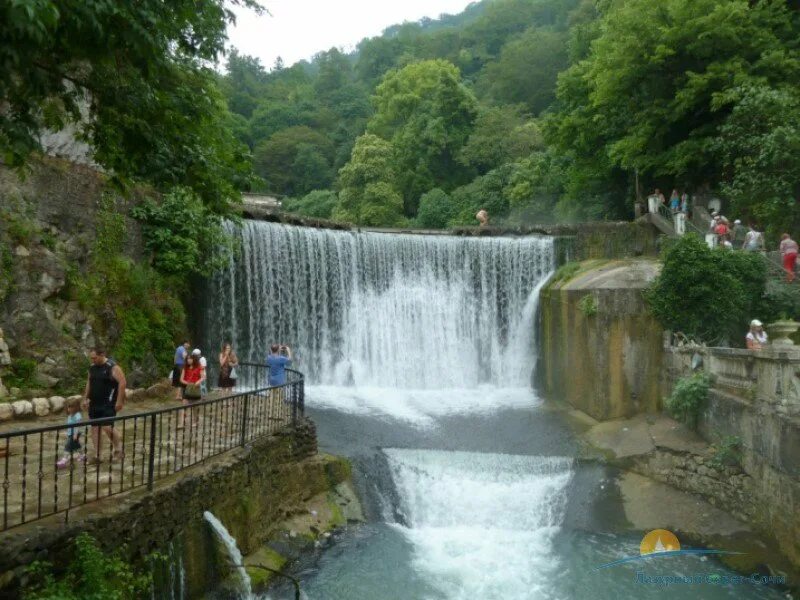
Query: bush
point(183, 235)
point(318, 204)
point(23, 372)
point(727, 451)
point(92, 573)
point(689, 398)
point(435, 210)
point(566, 271)
point(710, 295)
point(588, 305)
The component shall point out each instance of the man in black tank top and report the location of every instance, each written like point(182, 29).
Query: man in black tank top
point(105, 396)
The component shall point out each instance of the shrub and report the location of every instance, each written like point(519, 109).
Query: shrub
point(710, 295)
point(92, 573)
point(588, 305)
point(184, 236)
point(566, 271)
point(727, 451)
point(23, 372)
point(436, 208)
point(689, 398)
point(318, 204)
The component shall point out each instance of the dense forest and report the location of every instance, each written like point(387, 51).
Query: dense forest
point(537, 110)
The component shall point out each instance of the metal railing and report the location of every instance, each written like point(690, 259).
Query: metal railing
point(153, 445)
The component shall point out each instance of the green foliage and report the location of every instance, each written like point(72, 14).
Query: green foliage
point(501, 134)
point(22, 375)
point(92, 574)
point(368, 195)
point(436, 210)
point(727, 452)
point(710, 295)
point(588, 305)
point(295, 160)
point(135, 77)
point(319, 204)
point(781, 301)
point(689, 398)
point(566, 271)
point(427, 113)
point(184, 236)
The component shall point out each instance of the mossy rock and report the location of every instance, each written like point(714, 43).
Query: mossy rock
point(267, 557)
point(337, 469)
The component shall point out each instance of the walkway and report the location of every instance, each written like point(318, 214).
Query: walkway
point(156, 444)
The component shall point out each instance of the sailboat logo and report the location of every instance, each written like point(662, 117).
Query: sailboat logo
point(661, 543)
point(659, 540)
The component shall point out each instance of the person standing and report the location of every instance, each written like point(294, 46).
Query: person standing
point(228, 361)
point(674, 202)
point(685, 203)
point(483, 217)
point(788, 249)
point(105, 397)
point(753, 240)
point(756, 338)
point(739, 234)
point(201, 360)
point(192, 377)
point(181, 352)
point(279, 358)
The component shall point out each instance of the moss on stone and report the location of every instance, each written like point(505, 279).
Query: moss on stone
point(266, 557)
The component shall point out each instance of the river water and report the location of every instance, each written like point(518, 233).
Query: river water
point(420, 353)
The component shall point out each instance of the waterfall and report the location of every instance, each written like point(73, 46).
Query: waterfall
point(481, 524)
point(229, 543)
point(388, 310)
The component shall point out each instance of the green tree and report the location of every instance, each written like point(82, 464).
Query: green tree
point(367, 194)
point(436, 210)
point(427, 113)
point(652, 94)
point(710, 295)
point(295, 160)
point(760, 146)
point(501, 134)
point(139, 71)
point(318, 203)
point(527, 69)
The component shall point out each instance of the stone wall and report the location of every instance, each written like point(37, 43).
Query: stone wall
point(251, 490)
point(755, 400)
point(601, 348)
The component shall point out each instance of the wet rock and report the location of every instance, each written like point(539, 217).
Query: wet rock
point(41, 407)
point(22, 408)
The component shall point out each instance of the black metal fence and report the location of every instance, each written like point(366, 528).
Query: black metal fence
point(40, 477)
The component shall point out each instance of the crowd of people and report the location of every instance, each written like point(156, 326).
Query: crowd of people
point(105, 394)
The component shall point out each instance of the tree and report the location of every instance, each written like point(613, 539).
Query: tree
point(368, 195)
point(707, 294)
point(295, 161)
point(501, 135)
point(652, 98)
point(319, 204)
point(138, 70)
point(760, 147)
point(436, 209)
point(527, 69)
point(427, 113)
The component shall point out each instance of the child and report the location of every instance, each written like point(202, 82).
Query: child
point(73, 435)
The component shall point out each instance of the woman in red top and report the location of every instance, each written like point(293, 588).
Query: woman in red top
point(191, 376)
point(789, 253)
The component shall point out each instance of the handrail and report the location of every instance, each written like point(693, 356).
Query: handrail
point(153, 444)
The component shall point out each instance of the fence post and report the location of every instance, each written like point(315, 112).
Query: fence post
point(244, 418)
point(294, 404)
point(151, 460)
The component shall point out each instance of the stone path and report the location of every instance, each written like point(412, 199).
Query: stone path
point(33, 486)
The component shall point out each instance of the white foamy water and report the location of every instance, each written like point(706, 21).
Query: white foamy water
point(234, 555)
point(421, 408)
point(482, 524)
point(378, 310)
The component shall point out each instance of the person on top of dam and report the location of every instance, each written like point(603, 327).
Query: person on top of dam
point(279, 358)
point(483, 217)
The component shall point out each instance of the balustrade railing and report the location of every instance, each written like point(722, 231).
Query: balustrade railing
point(151, 446)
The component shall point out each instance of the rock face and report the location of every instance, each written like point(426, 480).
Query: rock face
point(601, 348)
